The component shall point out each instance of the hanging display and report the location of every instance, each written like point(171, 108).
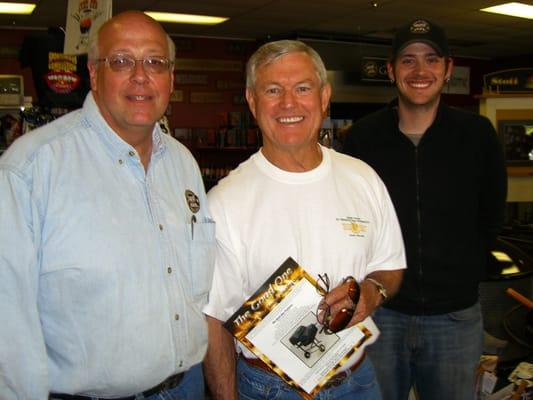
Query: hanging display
point(84, 17)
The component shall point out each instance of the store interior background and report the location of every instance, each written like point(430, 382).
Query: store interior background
point(344, 32)
point(208, 112)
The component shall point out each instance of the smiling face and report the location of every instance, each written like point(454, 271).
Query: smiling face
point(131, 101)
point(420, 75)
point(289, 103)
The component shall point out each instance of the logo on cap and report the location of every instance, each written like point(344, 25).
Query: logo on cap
point(420, 26)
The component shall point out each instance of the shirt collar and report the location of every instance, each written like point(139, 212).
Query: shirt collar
point(116, 146)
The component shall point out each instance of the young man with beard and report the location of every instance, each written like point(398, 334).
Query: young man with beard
point(445, 172)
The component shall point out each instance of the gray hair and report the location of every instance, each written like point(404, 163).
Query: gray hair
point(94, 52)
point(270, 52)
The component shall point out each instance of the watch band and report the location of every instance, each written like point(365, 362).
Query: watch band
point(379, 286)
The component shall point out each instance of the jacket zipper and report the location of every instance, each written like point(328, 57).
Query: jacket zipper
point(419, 230)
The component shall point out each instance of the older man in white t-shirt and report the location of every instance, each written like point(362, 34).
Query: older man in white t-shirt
point(329, 212)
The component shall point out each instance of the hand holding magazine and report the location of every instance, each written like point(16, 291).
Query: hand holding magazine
point(278, 323)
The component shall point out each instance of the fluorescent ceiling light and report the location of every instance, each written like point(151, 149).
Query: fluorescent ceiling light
point(520, 10)
point(185, 18)
point(16, 8)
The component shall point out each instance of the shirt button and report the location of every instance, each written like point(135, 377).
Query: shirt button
point(169, 270)
point(131, 153)
point(120, 162)
point(160, 227)
point(181, 364)
point(176, 317)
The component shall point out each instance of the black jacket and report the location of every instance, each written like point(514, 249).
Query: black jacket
point(449, 193)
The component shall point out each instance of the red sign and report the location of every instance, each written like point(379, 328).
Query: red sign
point(62, 81)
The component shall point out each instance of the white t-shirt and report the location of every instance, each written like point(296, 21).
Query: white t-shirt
point(336, 219)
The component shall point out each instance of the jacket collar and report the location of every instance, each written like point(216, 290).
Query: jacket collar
point(440, 119)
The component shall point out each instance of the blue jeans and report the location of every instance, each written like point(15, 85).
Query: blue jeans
point(437, 354)
point(257, 384)
point(191, 387)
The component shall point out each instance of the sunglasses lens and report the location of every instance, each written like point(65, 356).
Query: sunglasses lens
point(339, 321)
point(354, 291)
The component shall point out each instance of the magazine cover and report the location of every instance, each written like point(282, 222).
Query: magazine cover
point(278, 324)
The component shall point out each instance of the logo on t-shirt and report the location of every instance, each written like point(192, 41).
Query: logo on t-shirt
point(355, 226)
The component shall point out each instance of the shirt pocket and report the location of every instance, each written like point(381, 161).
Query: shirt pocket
point(201, 258)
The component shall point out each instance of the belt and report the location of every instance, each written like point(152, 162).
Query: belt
point(335, 380)
point(338, 378)
point(170, 383)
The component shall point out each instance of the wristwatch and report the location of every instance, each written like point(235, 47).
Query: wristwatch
point(381, 289)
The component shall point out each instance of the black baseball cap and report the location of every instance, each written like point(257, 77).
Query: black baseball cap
point(420, 30)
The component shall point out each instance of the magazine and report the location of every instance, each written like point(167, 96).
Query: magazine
point(278, 324)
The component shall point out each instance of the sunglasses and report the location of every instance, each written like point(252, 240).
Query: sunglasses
point(335, 323)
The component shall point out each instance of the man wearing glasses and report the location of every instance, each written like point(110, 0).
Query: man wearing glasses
point(329, 212)
point(102, 281)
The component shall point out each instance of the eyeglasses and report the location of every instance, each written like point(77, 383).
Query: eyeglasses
point(125, 63)
point(335, 323)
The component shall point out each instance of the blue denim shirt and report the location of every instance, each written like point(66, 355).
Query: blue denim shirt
point(102, 276)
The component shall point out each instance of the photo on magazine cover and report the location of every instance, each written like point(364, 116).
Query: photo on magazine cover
point(308, 341)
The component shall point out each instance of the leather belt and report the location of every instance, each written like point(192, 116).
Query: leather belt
point(335, 380)
point(338, 378)
point(170, 383)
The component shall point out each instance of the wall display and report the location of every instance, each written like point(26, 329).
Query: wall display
point(230, 84)
point(190, 79)
point(60, 80)
point(196, 64)
point(34, 117)
point(499, 108)
point(62, 77)
point(11, 90)
point(518, 80)
point(206, 97)
point(199, 136)
point(459, 81)
point(517, 138)
point(374, 70)
point(238, 99)
point(9, 52)
point(177, 96)
point(236, 119)
point(182, 134)
point(10, 129)
point(84, 16)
